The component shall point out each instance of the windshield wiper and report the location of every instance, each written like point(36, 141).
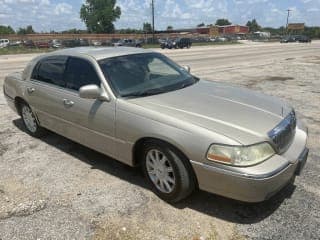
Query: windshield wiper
point(145, 93)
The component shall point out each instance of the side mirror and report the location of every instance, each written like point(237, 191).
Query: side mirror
point(187, 68)
point(92, 92)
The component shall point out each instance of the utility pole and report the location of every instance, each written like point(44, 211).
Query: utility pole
point(288, 18)
point(152, 7)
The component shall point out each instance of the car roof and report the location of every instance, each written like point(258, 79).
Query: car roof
point(100, 52)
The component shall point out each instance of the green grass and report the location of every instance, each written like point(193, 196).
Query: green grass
point(22, 50)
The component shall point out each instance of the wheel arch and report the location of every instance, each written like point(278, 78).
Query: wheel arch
point(17, 102)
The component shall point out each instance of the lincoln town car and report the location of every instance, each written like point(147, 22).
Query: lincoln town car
point(143, 109)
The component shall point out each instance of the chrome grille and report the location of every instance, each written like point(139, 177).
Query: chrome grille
point(283, 133)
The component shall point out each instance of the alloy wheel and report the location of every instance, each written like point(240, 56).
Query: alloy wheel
point(29, 119)
point(160, 171)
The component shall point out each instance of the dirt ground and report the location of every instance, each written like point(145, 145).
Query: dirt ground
point(53, 188)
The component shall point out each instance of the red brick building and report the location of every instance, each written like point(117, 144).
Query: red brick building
point(233, 29)
point(224, 30)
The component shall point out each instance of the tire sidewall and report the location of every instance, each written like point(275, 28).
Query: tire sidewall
point(39, 131)
point(170, 154)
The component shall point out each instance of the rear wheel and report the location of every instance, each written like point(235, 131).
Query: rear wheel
point(166, 171)
point(30, 122)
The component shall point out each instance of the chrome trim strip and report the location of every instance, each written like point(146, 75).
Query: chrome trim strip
point(283, 134)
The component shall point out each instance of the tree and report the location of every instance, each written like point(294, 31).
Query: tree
point(99, 15)
point(223, 22)
point(169, 28)
point(6, 30)
point(27, 30)
point(147, 27)
point(253, 26)
point(201, 25)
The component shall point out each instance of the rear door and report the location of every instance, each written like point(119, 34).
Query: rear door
point(44, 87)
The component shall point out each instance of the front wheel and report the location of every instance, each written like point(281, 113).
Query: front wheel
point(166, 170)
point(30, 122)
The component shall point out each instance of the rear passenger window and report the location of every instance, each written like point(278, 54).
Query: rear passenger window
point(50, 70)
point(79, 73)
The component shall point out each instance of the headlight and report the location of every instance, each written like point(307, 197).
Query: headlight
point(240, 155)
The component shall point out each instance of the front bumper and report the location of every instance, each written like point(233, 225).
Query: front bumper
point(256, 183)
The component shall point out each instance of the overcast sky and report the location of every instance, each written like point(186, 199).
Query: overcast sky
point(46, 15)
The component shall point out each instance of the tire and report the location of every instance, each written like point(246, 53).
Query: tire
point(30, 122)
point(167, 172)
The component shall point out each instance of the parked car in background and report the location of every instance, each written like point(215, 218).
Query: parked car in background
point(219, 39)
point(15, 43)
point(288, 39)
point(4, 43)
point(70, 43)
point(143, 109)
point(82, 42)
point(128, 43)
point(55, 43)
point(168, 43)
point(183, 43)
point(106, 42)
point(42, 44)
point(28, 44)
point(96, 43)
point(303, 39)
point(176, 43)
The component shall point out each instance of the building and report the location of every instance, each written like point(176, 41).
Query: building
point(223, 30)
point(233, 30)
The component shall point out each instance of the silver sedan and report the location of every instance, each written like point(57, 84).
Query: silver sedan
point(143, 109)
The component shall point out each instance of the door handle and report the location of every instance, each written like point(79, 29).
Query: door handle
point(68, 103)
point(30, 90)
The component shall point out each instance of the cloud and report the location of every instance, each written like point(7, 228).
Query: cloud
point(62, 8)
point(313, 10)
point(45, 15)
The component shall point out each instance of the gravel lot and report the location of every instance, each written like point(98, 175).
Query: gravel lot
point(53, 188)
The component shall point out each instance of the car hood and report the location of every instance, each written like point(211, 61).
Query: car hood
point(243, 115)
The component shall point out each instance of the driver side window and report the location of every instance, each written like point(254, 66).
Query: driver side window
point(80, 72)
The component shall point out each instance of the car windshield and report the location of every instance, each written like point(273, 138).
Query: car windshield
point(144, 74)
